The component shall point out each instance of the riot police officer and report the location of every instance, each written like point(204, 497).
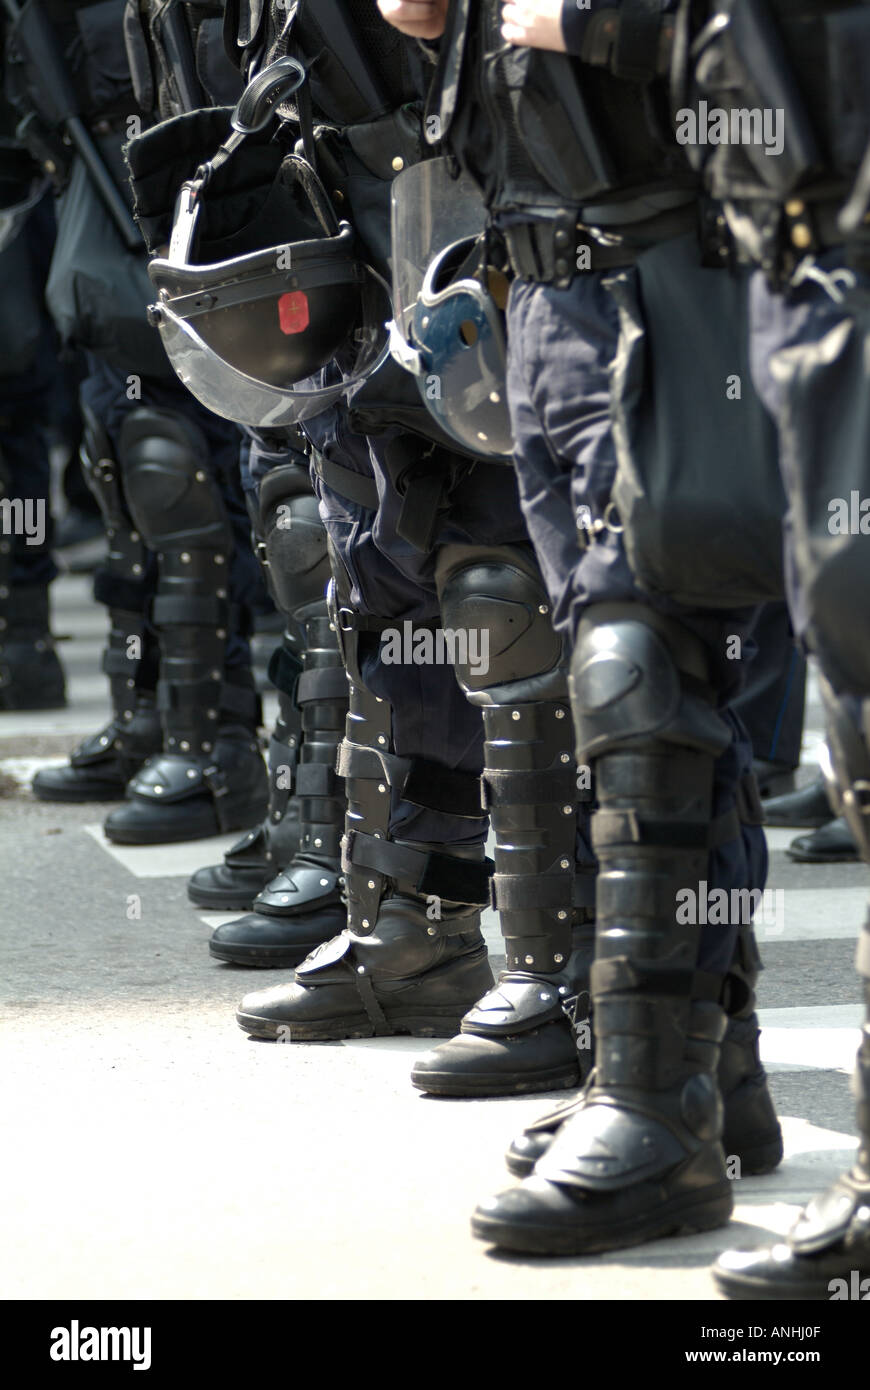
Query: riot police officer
point(581, 177)
point(180, 579)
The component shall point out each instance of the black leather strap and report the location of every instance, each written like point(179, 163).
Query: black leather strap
point(356, 487)
point(424, 872)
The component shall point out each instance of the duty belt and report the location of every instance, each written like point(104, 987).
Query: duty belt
point(553, 252)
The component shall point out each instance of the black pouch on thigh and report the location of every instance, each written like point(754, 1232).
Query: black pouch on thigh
point(825, 434)
point(98, 290)
point(698, 488)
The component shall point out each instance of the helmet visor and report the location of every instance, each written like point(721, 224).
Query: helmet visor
point(431, 209)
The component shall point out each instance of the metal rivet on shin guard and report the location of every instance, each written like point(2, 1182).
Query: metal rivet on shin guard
point(530, 960)
point(561, 914)
point(317, 844)
point(158, 789)
point(558, 959)
point(560, 714)
point(564, 863)
point(221, 633)
point(431, 931)
point(128, 714)
point(381, 739)
point(567, 810)
point(185, 746)
point(134, 535)
point(542, 608)
point(372, 883)
point(212, 713)
point(199, 475)
point(104, 740)
point(515, 714)
point(564, 757)
point(545, 998)
point(324, 882)
point(381, 787)
point(185, 557)
point(206, 748)
point(137, 569)
point(219, 559)
point(361, 970)
point(365, 922)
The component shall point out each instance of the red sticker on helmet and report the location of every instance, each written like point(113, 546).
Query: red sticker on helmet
point(293, 312)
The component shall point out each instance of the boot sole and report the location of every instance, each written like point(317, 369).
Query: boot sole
point(449, 1084)
point(744, 1287)
point(241, 820)
point(225, 902)
point(264, 957)
point(73, 797)
point(428, 1023)
point(677, 1218)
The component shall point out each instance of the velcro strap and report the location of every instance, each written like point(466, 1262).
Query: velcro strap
point(549, 787)
point(457, 880)
point(517, 892)
point(241, 701)
point(315, 779)
point(377, 1017)
point(192, 695)
point(117, 663)
point(322, 683)
point(635, 53)
point(427, 784)
point(201, 611)
point(583, 889)
point(419, 517)
point(284, 670)
point(440, 788)
point(355, 487)
point(627, 827)
point(621, 975)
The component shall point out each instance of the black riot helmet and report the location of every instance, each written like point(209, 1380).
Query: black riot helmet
point(265, 308)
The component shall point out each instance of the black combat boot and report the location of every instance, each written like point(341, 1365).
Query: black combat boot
point(302, 907)
point(751, 1131)
point(412, 958)
point(804, 809)
point(643, 1157)
point(102, 765)
point(530, 1033)
point(210, 777)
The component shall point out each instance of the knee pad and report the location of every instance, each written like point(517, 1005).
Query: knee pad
point(172, 494)
point(636, 676)
point(494, 604)
point(295, 540)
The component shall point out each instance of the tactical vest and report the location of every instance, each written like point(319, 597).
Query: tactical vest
point(541, 131)
point(806, 64)
point(177, 57)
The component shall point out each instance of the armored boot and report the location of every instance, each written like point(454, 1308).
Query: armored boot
point(102, 765)
point(826, 1255)
point(252, 861)
point(210, 776)
point(412, 958)
point(643, 1157)
point(751, 1131)
point(302, 906)
point(530, 1033)
point(525, 1034)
